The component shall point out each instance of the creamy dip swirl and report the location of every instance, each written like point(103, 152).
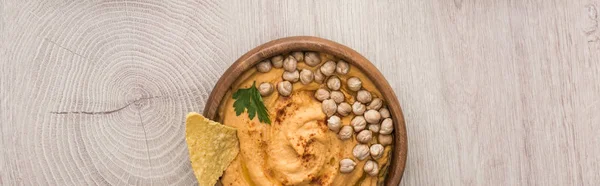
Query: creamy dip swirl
point(297, 148)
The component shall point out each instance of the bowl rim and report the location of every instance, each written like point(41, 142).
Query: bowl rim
point(310, 43)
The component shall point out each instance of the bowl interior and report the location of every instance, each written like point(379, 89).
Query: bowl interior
point(307, 43)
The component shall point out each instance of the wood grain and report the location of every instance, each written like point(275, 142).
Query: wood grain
point(493, 92)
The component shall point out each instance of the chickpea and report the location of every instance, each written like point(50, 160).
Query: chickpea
point(264, 66)
point(384, 112)
point(277, 61)
point(298, 55)
point(371, 168)
point(344, 109)
point(354, 84)
point(361, 151)
point(359, 123)
point(312, 59)
point(306, 76)
point(372, 116)
point(321, 94)
point(342, 67)
point(319, 77)
point(358, 108)
point(385, 139)
point(291, 76)
point(284, 88)
point(347, 165)
point(345, 133)
point(375, 104)
point(387, 126)
point(376, 151)
point(337, 96)
point(329, 107)
point(290, 63)
point(328, 68)
point(363, 96)
point(334, 83)
point(334, 123)
point(374, 127)
point(364, 136)
point(265, 89)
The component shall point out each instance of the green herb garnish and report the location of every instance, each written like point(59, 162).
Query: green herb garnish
point(249, 99)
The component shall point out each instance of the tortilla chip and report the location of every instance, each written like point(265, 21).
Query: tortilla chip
point(212, 147)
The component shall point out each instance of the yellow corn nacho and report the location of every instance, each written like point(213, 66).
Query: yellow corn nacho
point(212, 147)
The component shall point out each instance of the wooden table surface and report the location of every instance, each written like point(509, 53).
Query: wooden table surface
point(494, 92)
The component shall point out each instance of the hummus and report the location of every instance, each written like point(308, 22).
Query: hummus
point(297, 148)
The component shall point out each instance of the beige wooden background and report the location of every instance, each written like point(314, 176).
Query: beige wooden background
point(495, 92)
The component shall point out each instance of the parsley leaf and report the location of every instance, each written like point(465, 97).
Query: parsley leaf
point(249, 99)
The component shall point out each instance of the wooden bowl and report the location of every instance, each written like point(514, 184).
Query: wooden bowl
point(306, 43)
